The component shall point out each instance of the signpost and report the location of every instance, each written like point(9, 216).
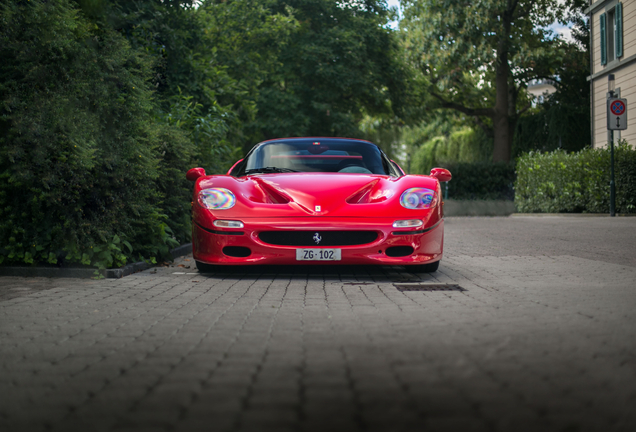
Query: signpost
point(616, 120)
point(616, 114)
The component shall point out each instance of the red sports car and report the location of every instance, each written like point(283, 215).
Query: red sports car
point(317, 201)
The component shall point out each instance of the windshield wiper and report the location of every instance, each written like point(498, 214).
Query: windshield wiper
point(266, 170)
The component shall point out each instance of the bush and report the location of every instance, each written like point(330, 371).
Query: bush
point(85, 169)
point(489, 181)
point(560, 182)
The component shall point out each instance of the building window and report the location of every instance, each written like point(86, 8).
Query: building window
point(612, 34)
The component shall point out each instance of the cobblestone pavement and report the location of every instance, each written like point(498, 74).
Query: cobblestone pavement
point(542, 338)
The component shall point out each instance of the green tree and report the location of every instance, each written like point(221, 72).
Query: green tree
point(169, 32)
point(562, 121)
point(340, 63)
point(478, 57)
point(461, 144)
point(193, 90)
point(244, 39)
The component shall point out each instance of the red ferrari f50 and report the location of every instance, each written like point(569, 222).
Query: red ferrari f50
point(317, 201)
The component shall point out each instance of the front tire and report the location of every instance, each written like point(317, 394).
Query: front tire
point(205, 268)
point(424, 268)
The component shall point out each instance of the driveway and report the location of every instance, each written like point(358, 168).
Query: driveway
point(529, 325)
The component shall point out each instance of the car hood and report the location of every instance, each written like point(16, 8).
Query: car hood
point(316, 194)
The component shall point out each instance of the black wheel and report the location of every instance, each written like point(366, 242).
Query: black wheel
point(205, 268)
point(424, 268)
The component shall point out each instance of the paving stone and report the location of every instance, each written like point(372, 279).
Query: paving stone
point(542, 339)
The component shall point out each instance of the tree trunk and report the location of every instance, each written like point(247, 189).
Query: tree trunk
point(501, 117)
point(501, 126)
point(501, 150)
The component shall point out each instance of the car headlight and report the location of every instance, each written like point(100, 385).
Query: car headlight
point(216, 199)
point(418, 199)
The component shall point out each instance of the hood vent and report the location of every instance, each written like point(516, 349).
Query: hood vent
point(268, 194)
point(370, 194)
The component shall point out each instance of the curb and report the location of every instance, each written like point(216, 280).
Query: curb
point(181, 250)
point(86, 273)
point(571, 215)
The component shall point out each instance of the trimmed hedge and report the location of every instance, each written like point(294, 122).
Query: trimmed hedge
point(481, 180)
point(560, 182)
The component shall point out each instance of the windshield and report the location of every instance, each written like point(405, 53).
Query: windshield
point(315, 155)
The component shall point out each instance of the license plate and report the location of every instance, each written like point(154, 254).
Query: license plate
point(318, 255)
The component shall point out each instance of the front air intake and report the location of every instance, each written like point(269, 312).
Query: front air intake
point(399, 251)
point(237, 251)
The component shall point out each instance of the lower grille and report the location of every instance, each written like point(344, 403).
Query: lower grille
point(318, 238)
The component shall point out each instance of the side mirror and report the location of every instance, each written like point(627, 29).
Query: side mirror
point(441, 174)
point(195, 173)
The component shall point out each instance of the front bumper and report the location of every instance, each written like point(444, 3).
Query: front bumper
point(209, 243)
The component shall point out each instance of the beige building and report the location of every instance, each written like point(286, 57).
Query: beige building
point(613, 51)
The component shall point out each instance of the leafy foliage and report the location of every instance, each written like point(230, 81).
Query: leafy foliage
point(466, 152)
point(104, 104)
point(562, 121)
point(478, 58)
point(481, 180)
point(386, 132)
point(245, 40)
point(458, 145)
point(446, 141)
point(339, 64)
point(78, 154)
point(555, 126)
point(189, 80)
point(560, 182)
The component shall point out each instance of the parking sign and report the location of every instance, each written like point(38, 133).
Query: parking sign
point(616, 114)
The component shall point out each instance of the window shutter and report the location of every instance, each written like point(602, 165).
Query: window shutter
point(618, 37)
point(603, 40)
